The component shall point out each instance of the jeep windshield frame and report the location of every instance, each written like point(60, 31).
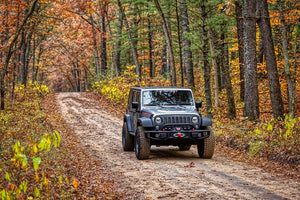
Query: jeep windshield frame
point(167, 97)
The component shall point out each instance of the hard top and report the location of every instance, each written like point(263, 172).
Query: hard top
point(159, 88)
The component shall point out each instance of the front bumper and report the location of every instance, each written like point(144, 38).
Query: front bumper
point(182, 135)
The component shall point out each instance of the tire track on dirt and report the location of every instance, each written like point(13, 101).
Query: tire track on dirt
point(169, 173)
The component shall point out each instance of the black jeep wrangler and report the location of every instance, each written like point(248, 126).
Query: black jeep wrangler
point(165, 116)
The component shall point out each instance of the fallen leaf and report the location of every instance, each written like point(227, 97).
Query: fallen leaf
point(75, 183)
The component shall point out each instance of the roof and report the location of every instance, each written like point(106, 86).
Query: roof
point(160, 88)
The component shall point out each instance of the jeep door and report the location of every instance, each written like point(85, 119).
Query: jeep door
point(135, 97)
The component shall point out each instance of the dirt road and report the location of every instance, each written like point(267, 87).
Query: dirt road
point(169, 173)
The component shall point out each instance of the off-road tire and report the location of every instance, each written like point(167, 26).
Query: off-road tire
point(184, 147)
point(206, 147)
point(142, 144)
point(127, 139)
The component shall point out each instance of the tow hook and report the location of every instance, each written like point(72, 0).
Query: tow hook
point(178, 134)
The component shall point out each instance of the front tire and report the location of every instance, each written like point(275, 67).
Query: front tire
point(206, 147)
point(142, 144)
point(127, 139)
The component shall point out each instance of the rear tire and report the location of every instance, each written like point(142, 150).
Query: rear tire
point(142, 144)
point(185, 147)
point(127, 139)
point(206, 147)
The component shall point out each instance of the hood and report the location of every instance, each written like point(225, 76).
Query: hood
point(174, 110)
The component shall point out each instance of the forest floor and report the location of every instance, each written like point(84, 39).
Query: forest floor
point(169, 173)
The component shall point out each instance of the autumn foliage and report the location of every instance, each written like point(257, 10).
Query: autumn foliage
point(35, 149)
point(28, 146)
point(106, 47)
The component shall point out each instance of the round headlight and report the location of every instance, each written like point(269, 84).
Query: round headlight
point(195, 120)
point(158, 120)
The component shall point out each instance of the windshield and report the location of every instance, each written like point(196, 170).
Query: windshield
point(167, 97)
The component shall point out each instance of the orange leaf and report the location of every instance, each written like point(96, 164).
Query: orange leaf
point(75, 183)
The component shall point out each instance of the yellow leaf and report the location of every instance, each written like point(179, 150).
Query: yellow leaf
point(75, 183)
point(37, 178)
point(46, 181)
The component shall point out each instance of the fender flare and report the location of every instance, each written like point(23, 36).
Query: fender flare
point(129, 120)
point(206, 121)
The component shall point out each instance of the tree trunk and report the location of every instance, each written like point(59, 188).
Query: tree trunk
point(79, 88)
point(240, 33)
point(23, 58)
point(164, 61)
point(96, 54)
point(38, 62)
point(133, 47)
point(269, 51)
point(33, 60)
point(74, 77)
point(206, 67)
point(251, 108)
point(151, 66)
point(117, 50)
point(180, 46)
point(215, 66)
point(103, 41)
point(77, 77)
point(27, 56)
point(187, 53)
point(85, 81)
point(220, 61)
point(227, 79)
point(14, 75)
point(169, 42)
point(287, 71)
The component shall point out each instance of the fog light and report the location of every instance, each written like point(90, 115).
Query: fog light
point(157, 135)
point(205, 134)
point(199, 135)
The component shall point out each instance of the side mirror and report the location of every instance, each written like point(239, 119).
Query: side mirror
point(198, 104)
point(135, 105)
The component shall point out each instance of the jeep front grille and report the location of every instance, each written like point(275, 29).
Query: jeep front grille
point(177, 119)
